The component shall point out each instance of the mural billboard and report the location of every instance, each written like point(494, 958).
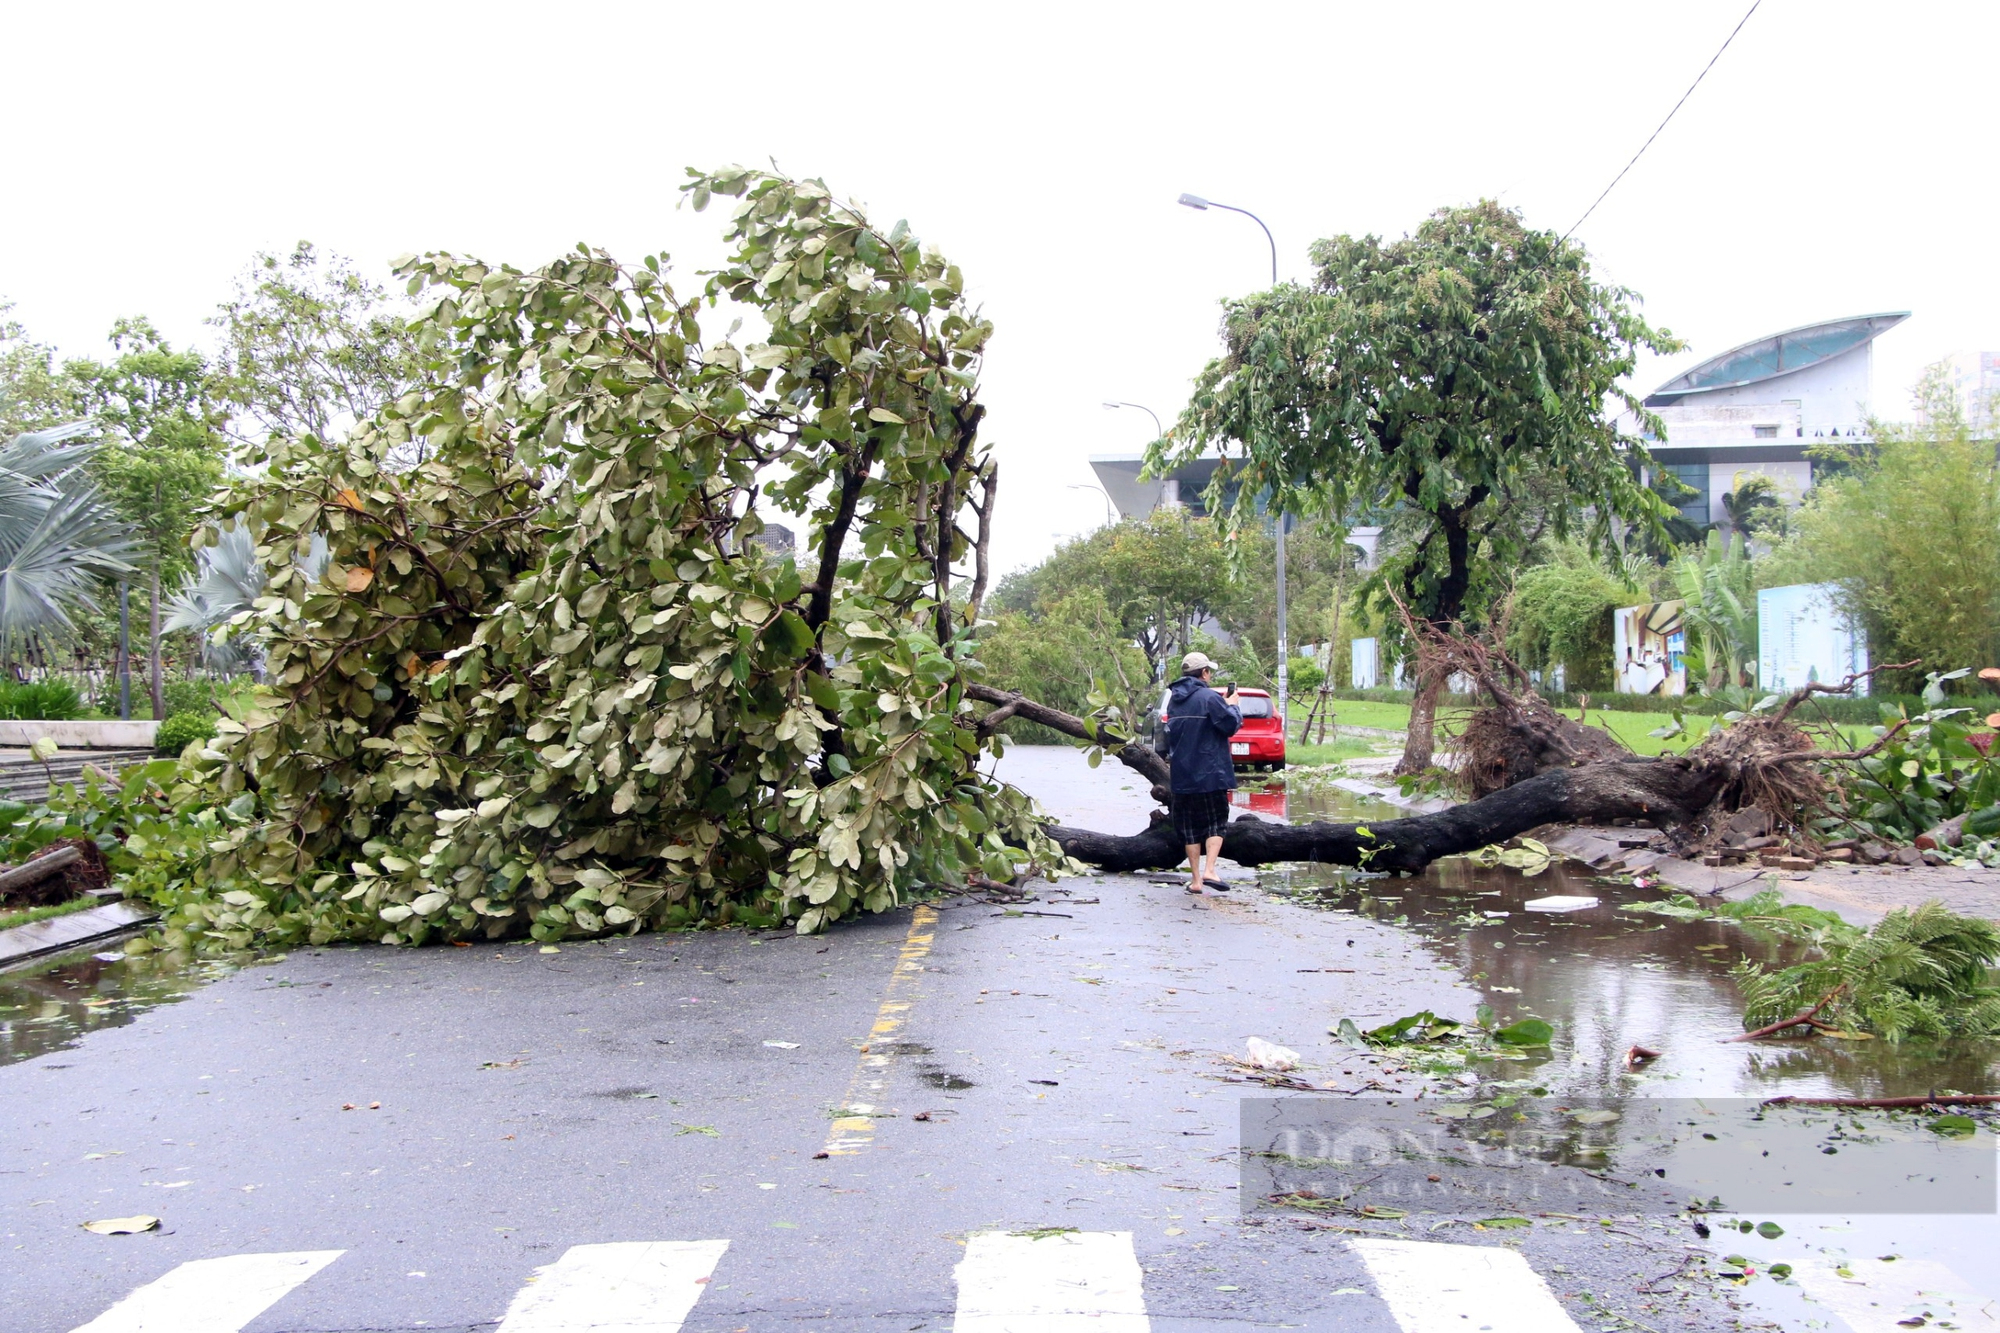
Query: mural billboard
point(1804, 635)
point(1650, 645)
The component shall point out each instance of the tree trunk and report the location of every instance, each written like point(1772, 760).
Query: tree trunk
point(1890, 1103)
point(1761, 761)
point(1949, 833)
point(159, 695)
point(1422, 738)
point(1666, 790)
point(1657, 790)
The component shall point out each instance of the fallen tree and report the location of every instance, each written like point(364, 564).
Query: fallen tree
point(1560, 773)
point(560, 678)
point(1638, 789)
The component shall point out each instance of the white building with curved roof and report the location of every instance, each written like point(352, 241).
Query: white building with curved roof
point(1757, 408)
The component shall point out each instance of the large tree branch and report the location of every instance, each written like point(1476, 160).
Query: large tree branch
point(1806, 1016)
point(1746, 764)
point(834, 536)
point(1664, 790)
point(1135, 755)
point(1846, 686)
point(966, 427)
point(982, 549)
point(1891, 1103)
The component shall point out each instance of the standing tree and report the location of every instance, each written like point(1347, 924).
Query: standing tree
point(1063, 650)
point(1719, 609)
point(1162, 576)
point(1319, 566)
point(1907, 526)
point(161, 457)
point(1561, 617)
point(1446, 374)
point(310, 347)
point(32, 395)
point(59, 540)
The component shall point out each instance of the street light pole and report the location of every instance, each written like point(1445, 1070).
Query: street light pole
point(1110, 510)
point(1159, 431)
point(1284, 644)
point(1196, 201)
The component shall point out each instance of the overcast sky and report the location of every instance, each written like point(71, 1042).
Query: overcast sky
point(1838, 160)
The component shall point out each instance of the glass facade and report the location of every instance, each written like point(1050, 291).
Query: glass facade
point(1695, 507)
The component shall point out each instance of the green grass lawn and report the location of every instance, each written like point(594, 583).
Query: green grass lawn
point(1298, 753)
point(22, 916)
point(1630, 728)
point(1358, 713)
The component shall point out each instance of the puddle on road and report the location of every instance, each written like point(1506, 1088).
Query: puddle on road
point(52, 1005)
point(1606, 979)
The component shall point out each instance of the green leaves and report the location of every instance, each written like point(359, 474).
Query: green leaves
point(1527, 1032)
point(1530, 857)
point(789, 636)
point(1420, 1026)
point(578, 692)
point(1460, 373)
point(1929, 768)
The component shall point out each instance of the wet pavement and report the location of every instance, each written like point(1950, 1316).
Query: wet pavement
point(52, 1004)
point(1031, 1067)
point(1609, 979)
point(1606, 980)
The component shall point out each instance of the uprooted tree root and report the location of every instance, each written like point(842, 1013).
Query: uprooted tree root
point(1518, 734)
point(61, 872)
point(1763, 761)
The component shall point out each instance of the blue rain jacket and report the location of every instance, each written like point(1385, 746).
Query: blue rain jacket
point(1199, 725)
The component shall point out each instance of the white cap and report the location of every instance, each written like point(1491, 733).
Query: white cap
point(1194, 662)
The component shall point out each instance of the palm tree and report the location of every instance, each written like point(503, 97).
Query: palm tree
point(1754, 507)
point(1719, 597)
point(227, 581)
point(59, 541)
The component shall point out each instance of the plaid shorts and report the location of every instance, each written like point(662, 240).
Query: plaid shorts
point(1200, 815)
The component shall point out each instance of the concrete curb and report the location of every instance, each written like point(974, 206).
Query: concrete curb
point(38, 939)
point(81, 734)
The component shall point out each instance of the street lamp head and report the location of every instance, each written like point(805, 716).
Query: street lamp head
point(1113, 407)
point(1194, 201)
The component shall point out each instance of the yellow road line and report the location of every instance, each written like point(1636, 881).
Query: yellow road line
point(854, 1129)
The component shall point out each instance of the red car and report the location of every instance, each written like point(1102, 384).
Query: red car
point(1260, 743)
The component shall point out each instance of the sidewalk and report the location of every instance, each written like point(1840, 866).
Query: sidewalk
point(1861, 894)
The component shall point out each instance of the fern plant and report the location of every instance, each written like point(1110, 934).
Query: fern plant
point(1918, 972)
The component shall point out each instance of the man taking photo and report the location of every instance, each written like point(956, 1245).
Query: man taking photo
point(1200, 721)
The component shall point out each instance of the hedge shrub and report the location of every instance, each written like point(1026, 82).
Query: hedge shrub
point(179, 729)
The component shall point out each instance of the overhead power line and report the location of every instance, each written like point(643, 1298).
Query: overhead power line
point(1670, 115)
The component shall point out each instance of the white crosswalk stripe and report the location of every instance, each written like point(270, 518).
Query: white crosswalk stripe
point(622, 1287)
point(1433, 1288)
point(1067, 1282)
point(211, 1295)
point(1880, 1296)
point(1008, 1282)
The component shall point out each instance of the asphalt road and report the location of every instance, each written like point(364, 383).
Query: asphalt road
point(978, 1069)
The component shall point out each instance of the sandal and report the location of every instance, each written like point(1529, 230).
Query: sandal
point(1194, 889)
point(1216, 884)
